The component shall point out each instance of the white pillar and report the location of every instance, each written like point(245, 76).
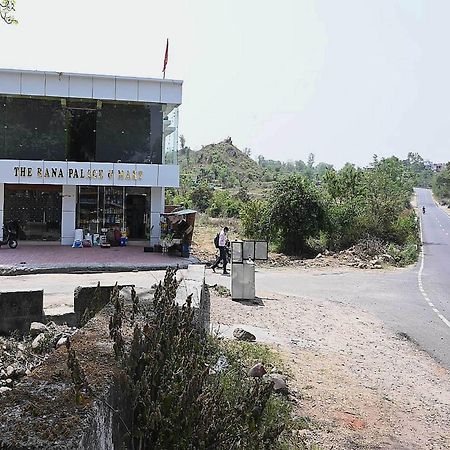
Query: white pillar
point(2, 207)
point(156, 208)
point(69, 207)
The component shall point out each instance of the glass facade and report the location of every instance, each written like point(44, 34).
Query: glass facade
point(114, 208)
point(60, 129)
point(36, 208)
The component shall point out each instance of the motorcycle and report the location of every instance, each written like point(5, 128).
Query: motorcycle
point(9, 236)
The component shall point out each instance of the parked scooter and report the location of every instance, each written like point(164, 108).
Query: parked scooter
point(9, 235)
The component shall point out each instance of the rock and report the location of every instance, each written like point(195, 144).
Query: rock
point(37, 341)
point(319, 255)
point(21, 347)
point(4, 389)
point(8, 381)
point(257, 371)
point(388, 258)
point(10, 371)
point(61, 341)
point(279, 384)
point(221, 364)
point(2, 374)
point(242, 335)
point(37, 328)
point(376, 266)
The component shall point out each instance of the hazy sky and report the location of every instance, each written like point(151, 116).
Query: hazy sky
point(343, 79)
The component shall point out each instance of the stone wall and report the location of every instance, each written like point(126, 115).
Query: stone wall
point(88, 301)
point(41, 413)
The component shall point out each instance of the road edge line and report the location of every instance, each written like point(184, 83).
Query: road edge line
point(419, 280)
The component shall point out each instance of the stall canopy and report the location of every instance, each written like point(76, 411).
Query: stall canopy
point(178, 224)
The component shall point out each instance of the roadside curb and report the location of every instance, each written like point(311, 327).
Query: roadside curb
point(79, 268)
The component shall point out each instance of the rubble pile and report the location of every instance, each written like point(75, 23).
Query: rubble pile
point(352, 257)
point(19, 355)
point(369, 253)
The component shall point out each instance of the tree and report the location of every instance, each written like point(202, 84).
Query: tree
point(441, 184)
point(296, 213)
point(7, 8)
point(201, 196)
point(387, 192)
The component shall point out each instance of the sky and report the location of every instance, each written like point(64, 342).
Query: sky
point(341, 79)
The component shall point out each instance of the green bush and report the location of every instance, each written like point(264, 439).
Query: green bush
point(255, 219)
point(296, 213)
point(180, 397)
point(404, 254)
point(405, 228)
point(318, 244)
point(201, 196)
point(223, 204)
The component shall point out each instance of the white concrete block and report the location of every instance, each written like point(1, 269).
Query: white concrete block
point(10, 82)
point(33, 84)
point(104, 88)
point(80, 87)
point(56, 85)
point(126, 89)
point(149, 91)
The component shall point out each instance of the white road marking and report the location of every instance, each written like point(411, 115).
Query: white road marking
point(419, 281)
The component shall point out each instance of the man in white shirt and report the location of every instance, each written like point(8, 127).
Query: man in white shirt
point(223, 238)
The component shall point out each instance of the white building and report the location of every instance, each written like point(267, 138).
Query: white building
point(86, 151)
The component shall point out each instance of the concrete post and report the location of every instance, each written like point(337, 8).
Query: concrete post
point(69, 205)
point(156, 208)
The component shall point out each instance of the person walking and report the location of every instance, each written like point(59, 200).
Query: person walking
point(223, 238)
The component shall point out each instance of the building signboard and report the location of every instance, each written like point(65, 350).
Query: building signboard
point(89, 173)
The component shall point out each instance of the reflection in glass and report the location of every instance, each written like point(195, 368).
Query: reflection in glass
point(37, 210)
point(33, 129)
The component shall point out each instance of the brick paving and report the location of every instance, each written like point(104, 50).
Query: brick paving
point(55, 258)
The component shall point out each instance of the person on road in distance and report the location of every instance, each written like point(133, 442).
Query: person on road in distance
point(223, 238)
point(423, 209)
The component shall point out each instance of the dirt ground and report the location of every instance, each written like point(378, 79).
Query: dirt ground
point(361, 386)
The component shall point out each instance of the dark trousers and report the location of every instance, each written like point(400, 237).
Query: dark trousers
point(222, 257)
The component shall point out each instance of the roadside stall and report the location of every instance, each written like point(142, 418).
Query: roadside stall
point(177, 227)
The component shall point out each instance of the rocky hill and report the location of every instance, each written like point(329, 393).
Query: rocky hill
point(221, 164)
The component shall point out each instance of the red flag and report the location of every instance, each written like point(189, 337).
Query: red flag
point(166, 57)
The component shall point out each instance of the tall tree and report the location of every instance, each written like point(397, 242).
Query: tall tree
point(7, 8)
point(296, 213)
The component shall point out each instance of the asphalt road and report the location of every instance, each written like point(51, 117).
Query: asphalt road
point(394, 296)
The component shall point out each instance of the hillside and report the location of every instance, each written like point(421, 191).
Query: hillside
point(221, 164)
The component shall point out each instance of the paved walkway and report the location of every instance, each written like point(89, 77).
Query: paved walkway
point(55, 258)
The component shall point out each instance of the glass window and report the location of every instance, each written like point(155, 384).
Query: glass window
point(36, 208)
point(114, 208)
point(123, 133)
point(33, 129)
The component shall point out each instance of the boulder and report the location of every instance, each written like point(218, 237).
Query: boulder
point(257, 371)
point(37, 328)
point(4, 389)
point(279, 383)
point(242, 335)
point(37, 341)
point(61, 341)
point(10, 371)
